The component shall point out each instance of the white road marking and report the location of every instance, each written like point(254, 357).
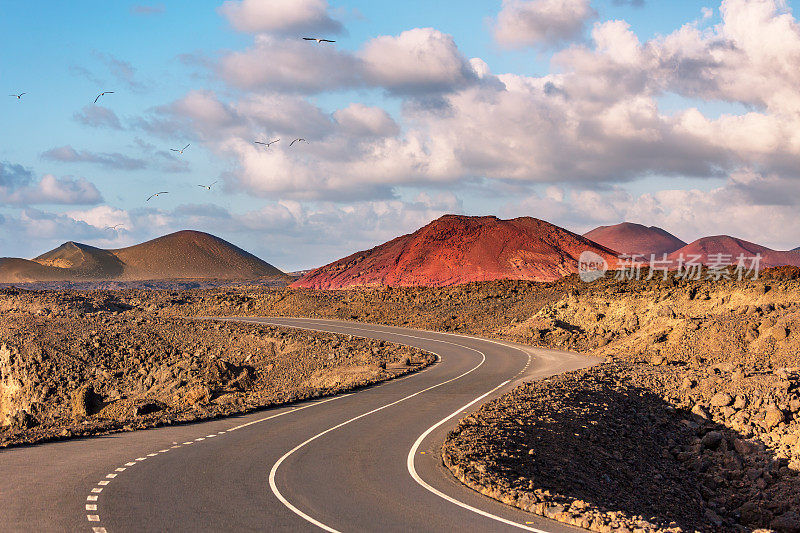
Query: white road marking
point(189, 442)
point(210, 436)
point(91, 506)
point(273, 485)
point(120, 469)
point(151, 454)
point(410, 460)
point(103, 483)
point(198, 439)
point(141, 458)
point(92, 518)
point(91, 498)
point(163, 451)
point(130, 464)
point(99, 530)
point(413, 471)
point(111, 476)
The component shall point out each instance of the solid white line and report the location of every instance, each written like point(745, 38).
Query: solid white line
point(290, 411)
point(412, 452)
point(413, 471)
point(273, 485)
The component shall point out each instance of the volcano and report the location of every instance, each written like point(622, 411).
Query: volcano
point(710, 248)
point(629, 238)
point(185, 254)
point(457, 249)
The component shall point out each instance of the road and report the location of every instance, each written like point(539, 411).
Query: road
point(366, 461)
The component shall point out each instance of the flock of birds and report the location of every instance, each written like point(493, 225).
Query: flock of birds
point(180, 151)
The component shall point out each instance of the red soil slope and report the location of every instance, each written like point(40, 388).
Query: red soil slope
point(723, 244)
point(185, 254)
point(629, 238)
point(458, 249)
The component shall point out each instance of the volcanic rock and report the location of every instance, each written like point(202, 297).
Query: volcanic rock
point(458, 249)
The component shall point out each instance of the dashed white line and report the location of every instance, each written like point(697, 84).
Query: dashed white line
point(92, 518)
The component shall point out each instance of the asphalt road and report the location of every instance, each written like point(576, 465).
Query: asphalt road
point(367, 461)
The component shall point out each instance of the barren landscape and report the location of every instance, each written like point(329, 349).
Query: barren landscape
point(695, 404)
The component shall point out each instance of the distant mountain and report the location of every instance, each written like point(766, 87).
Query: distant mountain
point(185, 254)
point(733, 247)
point(457, 249)
point(629, 238)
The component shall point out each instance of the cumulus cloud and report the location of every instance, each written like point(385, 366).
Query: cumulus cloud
point(359, 120)
point(420, 60)
point(290, 65)
point(541, 23)
point(115, 161)
point(19, 187)
point(280, 17)
point(97, 116)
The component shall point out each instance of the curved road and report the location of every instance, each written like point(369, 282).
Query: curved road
point(368, 461)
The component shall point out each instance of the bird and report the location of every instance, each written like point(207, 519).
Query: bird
point(181, 150)
point(156, 194)
point(298, 140)
point(318, 40)
point(17, 96)
point(115, 226)
point(207, 186)
point(267, 144)
point(102, 94)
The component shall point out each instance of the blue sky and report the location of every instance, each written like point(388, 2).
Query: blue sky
point(174, 83)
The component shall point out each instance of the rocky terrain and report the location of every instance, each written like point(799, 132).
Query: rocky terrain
point(636, 447)
point(691, 422)
point(75, 364)
point(456, 249)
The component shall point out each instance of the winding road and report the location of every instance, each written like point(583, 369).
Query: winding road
point(366, 461)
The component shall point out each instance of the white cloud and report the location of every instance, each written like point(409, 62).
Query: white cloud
point(541, 23)
point(18, 187)
point(420, 60)
point(359, 120)
point(281, 17)
point(290, 65)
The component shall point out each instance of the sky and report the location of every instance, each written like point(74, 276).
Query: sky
point(684, 115)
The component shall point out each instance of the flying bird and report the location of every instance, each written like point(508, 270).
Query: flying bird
point(207, 186)
point(181, 150)
point(318, 40)
point(156, 194)
point(102, 94)
point(115, 226)
point(17, 96)
point(267, 144)
point(297, 140)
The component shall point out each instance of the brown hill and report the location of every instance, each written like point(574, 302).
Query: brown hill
point(185, 254)
point(732, 248)
point(458, 249)
point(82, 261)
point(629, 238)
point(192, 254)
